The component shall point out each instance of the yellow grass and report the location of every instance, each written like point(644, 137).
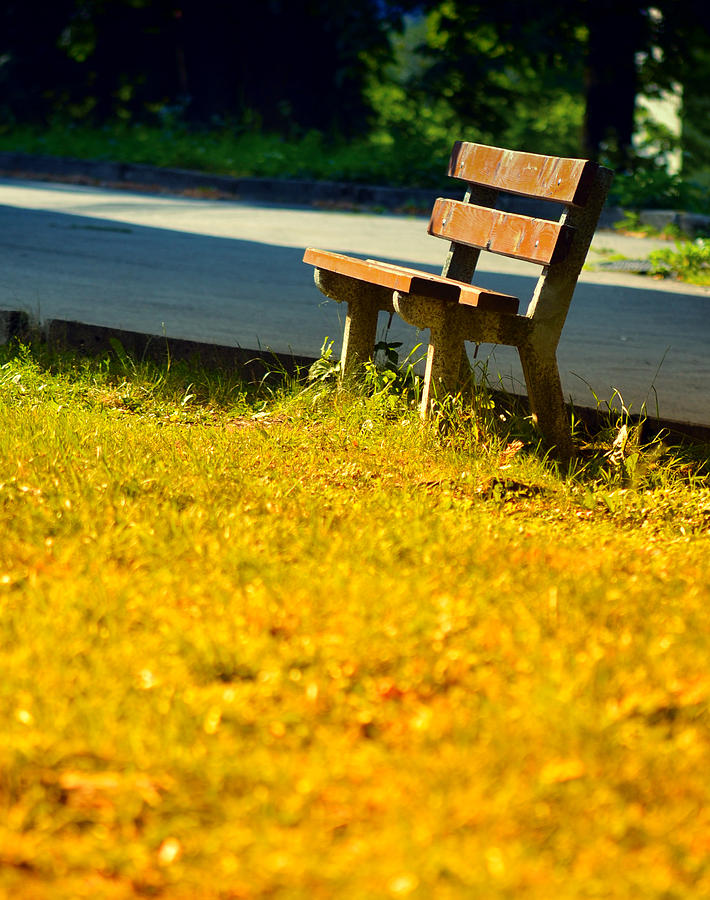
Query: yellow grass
point(303, 648)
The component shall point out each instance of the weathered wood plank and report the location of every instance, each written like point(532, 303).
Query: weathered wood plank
point(411, 281)
point(534, 240)
point(529, 174)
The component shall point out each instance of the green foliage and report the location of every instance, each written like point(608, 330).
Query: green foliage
point(235, 151)
point(690, 261)
point(388, 375)
point(650, 186)
point(452, 79)
point(291, 62)
point(552, 79)
point(631, 223)
point(394, 153)
point(386, 379)
point(462, 70)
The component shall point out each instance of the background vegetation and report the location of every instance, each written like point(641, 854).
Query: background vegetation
point(373, 81)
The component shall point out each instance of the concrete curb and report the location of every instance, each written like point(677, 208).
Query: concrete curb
point(292, 192)
point(253, 365)
point(93, 340)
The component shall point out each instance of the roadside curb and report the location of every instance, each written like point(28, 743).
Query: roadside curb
point(289, 192)
point(254, 365)
point(93, 340)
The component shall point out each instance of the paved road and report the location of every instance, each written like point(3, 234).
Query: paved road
point(231, 273)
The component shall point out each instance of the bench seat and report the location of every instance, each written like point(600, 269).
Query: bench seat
point(412, 281)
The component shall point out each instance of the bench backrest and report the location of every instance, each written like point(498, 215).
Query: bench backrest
point(560, 247)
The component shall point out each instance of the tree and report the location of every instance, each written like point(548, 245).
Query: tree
point(288, 62)
point(616, 32)
point(31, 62)
point(301, 61)
point(502, 62)
point(506, 70)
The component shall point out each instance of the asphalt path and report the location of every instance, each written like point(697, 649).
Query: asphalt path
point(231, 273)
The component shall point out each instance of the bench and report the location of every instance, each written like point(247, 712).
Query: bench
point(451, 307)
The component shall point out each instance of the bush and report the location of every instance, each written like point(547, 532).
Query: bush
point(652, 187)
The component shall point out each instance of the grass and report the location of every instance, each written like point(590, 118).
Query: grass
point(632, 225)
point(242, 153)
point(415, 157)
point(280, 642)
point(690, 261)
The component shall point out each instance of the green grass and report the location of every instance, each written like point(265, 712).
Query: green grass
point(287, 643)
point(234, 151)
point(631, 224)
point(410, 150)
point(690, 261)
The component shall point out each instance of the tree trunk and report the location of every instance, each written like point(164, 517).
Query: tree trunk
point(616, 32)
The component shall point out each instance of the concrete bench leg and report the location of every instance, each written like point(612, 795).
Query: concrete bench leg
point(443, 365)
point(359, 335)
point(547, 403)
point(445, 353)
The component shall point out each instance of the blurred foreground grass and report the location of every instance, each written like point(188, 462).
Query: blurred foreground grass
point(290, 644)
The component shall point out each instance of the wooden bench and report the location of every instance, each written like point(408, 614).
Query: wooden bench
point(456, 311)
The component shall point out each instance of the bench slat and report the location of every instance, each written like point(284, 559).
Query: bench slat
point(411, 281)
point(528, 174)
point(533, 240)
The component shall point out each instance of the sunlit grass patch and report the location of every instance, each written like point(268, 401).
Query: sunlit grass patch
point(290, 643)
